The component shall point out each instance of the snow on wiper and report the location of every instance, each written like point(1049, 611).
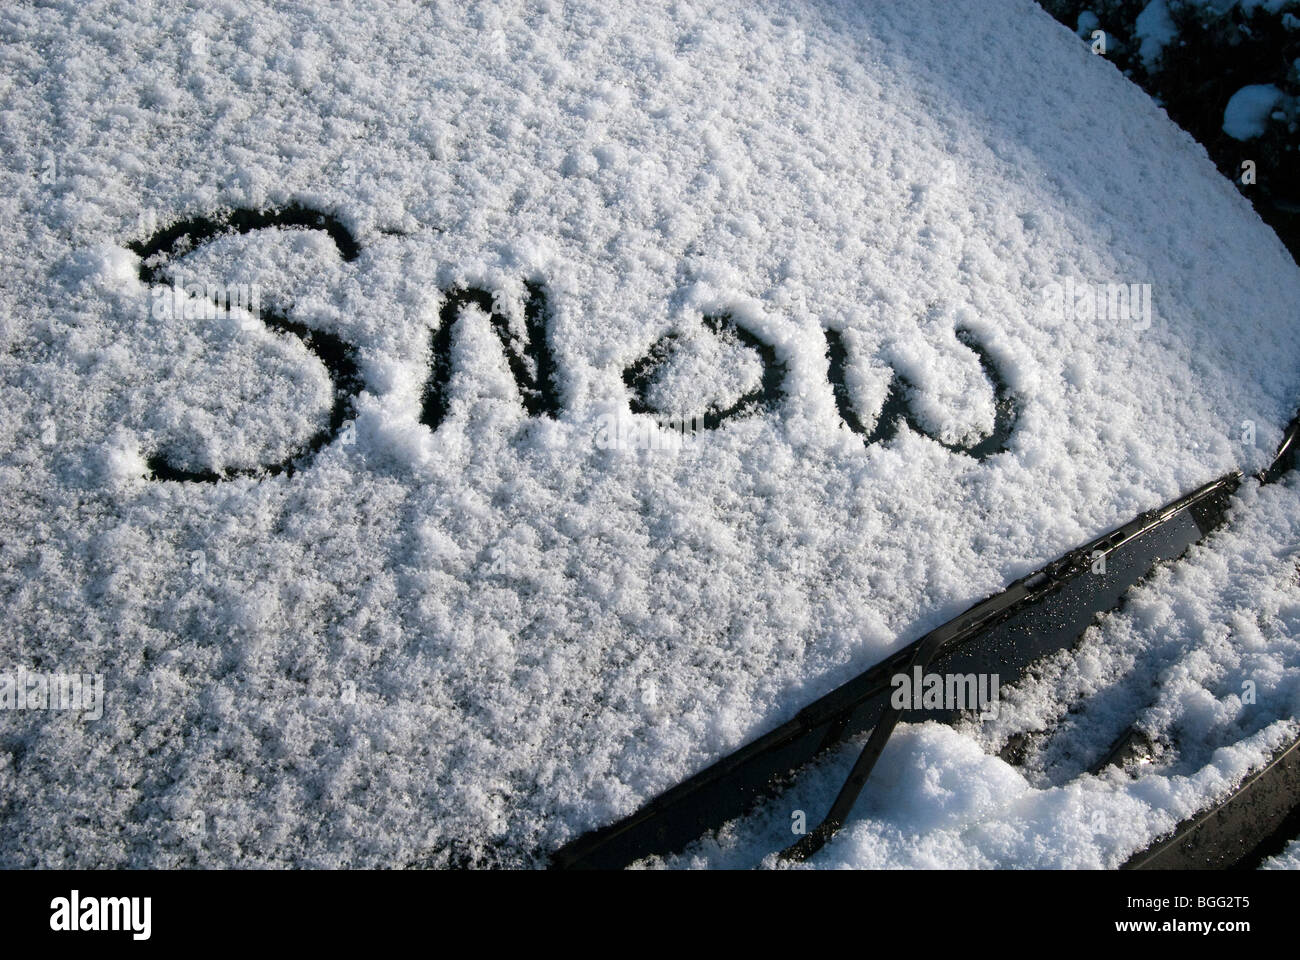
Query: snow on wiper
point(1037, 615)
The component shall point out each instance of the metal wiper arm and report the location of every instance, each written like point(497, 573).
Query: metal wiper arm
point(932, 644)
point(1036, 615)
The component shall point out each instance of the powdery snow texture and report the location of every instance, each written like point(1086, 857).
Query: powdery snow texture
point(474, 644)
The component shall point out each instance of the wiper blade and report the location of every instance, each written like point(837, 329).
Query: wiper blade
point(1037, 615)
point(1237, 830)
point(1254, 803)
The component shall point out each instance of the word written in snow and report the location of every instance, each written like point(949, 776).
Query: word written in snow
point(528, 352)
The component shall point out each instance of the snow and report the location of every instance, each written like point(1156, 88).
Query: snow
point(936, 801)
point(1246, 115)
point(1177, 661)
point(1288, 859)
point(1250, 6)
point(475, 644)
point(1155, 29)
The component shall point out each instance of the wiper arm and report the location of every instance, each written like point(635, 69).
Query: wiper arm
point(932, 644)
